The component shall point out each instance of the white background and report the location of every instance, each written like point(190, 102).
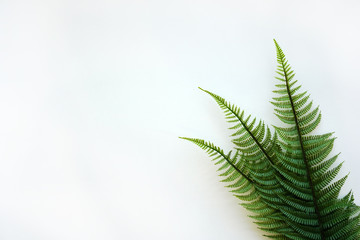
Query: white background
point(94, 94)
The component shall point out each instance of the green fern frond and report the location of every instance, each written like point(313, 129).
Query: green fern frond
point(286, 179)
point(256, 144)
point(235, 172)
point(308, 154)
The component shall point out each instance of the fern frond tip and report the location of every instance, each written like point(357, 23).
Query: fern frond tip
point(276, 43)
point(204, 90)
point(186, 138)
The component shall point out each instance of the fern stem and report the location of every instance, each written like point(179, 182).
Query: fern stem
point(317, 211)
point(209, 146)
point(237, 169)
point(244, 126)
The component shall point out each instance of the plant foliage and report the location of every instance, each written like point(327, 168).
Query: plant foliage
point(286, 178)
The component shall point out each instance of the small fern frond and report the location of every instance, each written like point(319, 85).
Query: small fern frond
point(257, 145)
point(235, 173)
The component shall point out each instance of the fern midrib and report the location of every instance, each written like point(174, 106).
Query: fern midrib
point(226, 159)
point(254, 138)
point(303, 153)
point(244, 126)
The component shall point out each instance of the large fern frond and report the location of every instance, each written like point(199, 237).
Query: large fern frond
point(306, 174)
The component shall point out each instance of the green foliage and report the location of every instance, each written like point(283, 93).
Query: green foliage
point(286, 179)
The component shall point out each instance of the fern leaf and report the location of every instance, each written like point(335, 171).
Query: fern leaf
point(245, 188)
point(313, 185)
point(286, 179)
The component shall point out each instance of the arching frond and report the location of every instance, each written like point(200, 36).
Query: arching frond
point(236, 174)
point(287, 179)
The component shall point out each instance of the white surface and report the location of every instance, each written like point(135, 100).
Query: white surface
point(93, 95)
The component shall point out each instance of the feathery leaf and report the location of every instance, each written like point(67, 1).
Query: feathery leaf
point(286, 179)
